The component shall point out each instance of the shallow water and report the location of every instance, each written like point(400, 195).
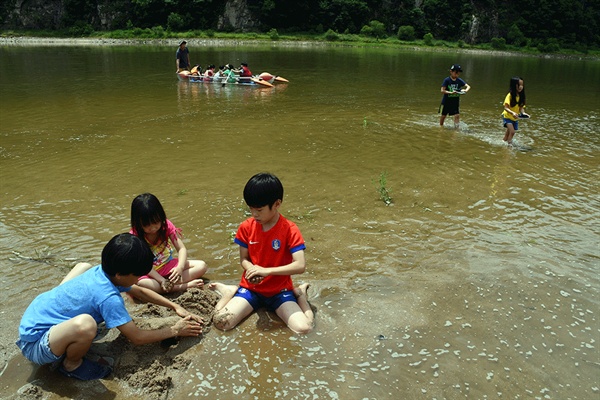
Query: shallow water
point(480, 280)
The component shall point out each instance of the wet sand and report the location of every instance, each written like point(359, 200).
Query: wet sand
point(147, 371)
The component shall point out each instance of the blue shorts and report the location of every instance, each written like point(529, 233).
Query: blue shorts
point(270, 303)
point(39, 352)
point(510, 121)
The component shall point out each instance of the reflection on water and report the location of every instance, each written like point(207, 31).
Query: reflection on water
point(480, 280)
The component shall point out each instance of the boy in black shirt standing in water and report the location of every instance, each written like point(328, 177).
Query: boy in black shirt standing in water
point(452, 88)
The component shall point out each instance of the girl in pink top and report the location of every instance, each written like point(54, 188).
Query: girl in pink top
point(169, 272)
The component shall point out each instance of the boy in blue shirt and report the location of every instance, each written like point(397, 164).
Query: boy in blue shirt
point(60, 325)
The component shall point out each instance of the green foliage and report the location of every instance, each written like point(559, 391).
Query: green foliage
point(566, 24)
point(273, 34)
point(158, 32)
point(428, 39)
point(383, 190)
point(331, 36)
point(175, 22)
point(375, 29)
point(407, 32)
point(549, 46)
point(81, 29)
point(498, 43)
point(515, 36)
point(461, 44)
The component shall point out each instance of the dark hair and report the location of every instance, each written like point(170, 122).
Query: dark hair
point(127, 254)
point(263, 189)
point(146, 210)
point(514, 84)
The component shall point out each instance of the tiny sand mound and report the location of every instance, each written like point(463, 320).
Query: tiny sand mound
point(148, 370)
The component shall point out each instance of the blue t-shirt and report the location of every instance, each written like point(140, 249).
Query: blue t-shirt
point(89, 293)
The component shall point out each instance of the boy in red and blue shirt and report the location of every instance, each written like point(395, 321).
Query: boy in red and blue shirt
point(271, 250)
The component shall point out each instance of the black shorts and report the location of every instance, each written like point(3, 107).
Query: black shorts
point(449, 108)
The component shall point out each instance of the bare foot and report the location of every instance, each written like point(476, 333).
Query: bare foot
point(301, 290)
point(227, 293)
point(196, 283)
point(225, 290)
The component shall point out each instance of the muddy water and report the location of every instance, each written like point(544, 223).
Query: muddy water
point(479, 280)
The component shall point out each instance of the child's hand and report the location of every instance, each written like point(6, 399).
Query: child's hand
point(166, 285)
point(187, 326)
point(182, 312)
point(175, 275)
point(256, 274)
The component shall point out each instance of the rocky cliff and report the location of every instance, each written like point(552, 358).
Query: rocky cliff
point(101, 15)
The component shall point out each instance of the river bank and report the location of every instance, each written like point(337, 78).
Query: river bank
point(50, 41)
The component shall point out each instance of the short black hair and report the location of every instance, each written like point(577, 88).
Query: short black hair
point(127, 254)
point(263, 189)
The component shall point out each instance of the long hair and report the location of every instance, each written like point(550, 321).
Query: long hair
point(514, 85)
point(146, 210)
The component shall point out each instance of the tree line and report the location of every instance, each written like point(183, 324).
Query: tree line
point(535, 23)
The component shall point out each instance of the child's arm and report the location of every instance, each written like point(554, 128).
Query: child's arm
point(175, 274)
point(184, 327)
point(522, 112)
point(297, 266)
point(508, 110)
point(150, 296)
point(466, 88)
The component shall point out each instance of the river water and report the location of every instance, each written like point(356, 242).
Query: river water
point(479, 280)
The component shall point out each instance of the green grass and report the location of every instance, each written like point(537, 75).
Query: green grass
point(337, 39)
point(383, 190)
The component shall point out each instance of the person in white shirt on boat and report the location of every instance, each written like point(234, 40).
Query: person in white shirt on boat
point(219, 75)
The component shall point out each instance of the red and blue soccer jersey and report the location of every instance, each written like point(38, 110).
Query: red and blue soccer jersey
point(273, 248)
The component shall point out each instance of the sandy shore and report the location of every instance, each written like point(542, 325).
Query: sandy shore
point(199, 42)
point(148, 371)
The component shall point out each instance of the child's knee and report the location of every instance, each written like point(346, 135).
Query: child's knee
point(303, 328)
point(224, 321)
point(85, 326)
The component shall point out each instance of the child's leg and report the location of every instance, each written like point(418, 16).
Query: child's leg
point(234, 311)
point(510, 132)
point(456, 120)
point(151, 284)
point(227, 292)
point(78, 269)
point(442, 119)
point(73, 338)
point(190, 277)
point(299, 317)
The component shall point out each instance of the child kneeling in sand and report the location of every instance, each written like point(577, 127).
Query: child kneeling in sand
point(271, 250)
point(62, 323)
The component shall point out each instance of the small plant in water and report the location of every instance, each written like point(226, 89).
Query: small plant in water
point(383, 190)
